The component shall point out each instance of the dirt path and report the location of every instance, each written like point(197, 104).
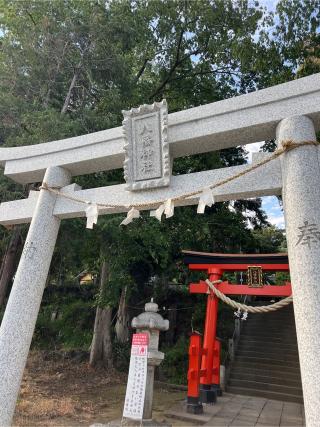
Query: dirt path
point(62, 392)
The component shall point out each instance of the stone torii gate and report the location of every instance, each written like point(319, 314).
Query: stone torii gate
point(290, 111)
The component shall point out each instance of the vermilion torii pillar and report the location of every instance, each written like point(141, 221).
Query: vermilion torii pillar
point(208, 391)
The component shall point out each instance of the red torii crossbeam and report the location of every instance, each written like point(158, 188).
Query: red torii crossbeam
point(204, 359)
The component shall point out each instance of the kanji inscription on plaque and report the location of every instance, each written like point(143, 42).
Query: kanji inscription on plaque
point(136, 386)
point(255, 278)
point(147, 160)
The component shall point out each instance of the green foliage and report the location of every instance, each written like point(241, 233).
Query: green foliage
point(175, 364)
point(269, 240)
point(282, 277)
point(121, 355)
point(72, 329)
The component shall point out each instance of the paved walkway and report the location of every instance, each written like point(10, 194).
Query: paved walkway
point(235, 410)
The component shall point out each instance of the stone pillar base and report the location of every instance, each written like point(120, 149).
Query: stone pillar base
point(207, 394)
point(217, 389)
point(194, 406)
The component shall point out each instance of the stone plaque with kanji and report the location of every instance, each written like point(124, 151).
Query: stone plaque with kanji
point(147, 160)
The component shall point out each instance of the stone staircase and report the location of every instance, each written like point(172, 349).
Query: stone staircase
point(267, 362)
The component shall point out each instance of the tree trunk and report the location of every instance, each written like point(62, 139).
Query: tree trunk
point(122, 325)
point(70, 90)
point(101, 346)
point(172, 317)
point(9, 263)
point(52, 81)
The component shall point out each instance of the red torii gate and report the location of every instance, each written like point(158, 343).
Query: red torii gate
point(204, 359)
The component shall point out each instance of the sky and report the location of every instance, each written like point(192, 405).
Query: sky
point(270, 204)
point(270, 4)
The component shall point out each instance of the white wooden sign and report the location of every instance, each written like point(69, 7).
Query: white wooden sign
point(137, 378)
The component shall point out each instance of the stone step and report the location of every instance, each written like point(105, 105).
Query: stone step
point(260, 335)
point(273, 316)
point(268, 339)
point(270, 332)
point(267, 394)
point(243, 369)
point(290, 323)
point(287, 380)
point(269, 361)
point(284, 333)
point(257, 317)
point(266, 366)
point(269, 324)
point(277, 351)
point(253, 320)
point(269, 354)
point(279, 388)
point(269, 317)
point(268, 344)
point(257, 345)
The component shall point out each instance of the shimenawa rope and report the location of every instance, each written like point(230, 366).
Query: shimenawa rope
point(248, 308)
point(285, 146)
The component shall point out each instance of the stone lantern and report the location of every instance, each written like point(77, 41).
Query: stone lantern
point(151, 322)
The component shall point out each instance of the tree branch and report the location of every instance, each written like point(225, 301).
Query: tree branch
point(141, 71)
point(71, 86)
point(31, 17)
point(171, 72)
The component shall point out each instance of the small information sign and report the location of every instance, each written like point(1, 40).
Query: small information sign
point(137, 378)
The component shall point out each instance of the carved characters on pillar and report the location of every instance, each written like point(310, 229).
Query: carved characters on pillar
point(147, 161)
point(29, 250)
point(308, 235)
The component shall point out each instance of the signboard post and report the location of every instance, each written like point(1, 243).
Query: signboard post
point(137, 378)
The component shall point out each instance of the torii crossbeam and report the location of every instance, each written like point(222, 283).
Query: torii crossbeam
point(290, 111)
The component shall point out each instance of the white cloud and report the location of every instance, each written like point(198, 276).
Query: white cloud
point(278, 221)
point(273, 210)
point(253, 148)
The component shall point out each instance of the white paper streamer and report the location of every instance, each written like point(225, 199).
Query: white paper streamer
point(169, 208)
point(158, 212)
point(92, 213)
point(245, 315)
point(133, 213)
point(206, 199)
point(237, 313)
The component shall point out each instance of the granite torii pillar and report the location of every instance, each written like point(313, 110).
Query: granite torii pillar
point(301, 197)
point(24, 302)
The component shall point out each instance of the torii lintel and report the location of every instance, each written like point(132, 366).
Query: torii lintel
point(236, 121)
